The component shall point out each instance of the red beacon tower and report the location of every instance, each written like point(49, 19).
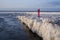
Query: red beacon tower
point(38, 12)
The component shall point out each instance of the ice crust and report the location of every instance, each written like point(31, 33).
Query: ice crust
point(47, 28)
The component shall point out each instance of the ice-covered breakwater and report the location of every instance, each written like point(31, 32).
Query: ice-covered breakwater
point(44, 27)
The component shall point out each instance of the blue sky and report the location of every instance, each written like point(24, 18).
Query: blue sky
point(30, 4)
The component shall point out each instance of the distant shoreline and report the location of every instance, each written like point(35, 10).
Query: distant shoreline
point(29, 11)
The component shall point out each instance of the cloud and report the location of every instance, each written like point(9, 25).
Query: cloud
point(55, 3)
point(30, 4)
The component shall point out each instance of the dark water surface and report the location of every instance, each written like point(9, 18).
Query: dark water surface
point(11, 29)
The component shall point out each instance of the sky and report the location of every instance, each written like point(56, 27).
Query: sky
point(30, 4)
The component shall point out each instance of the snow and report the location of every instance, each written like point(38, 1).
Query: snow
point(47, 27)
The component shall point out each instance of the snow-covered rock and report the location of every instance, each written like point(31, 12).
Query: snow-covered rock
point(44, 27)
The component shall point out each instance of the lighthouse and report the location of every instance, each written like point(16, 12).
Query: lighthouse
point(38, 12)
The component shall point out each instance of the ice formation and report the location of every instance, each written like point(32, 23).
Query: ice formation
point(44, 27)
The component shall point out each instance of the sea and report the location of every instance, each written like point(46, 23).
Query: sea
point(12, 29)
